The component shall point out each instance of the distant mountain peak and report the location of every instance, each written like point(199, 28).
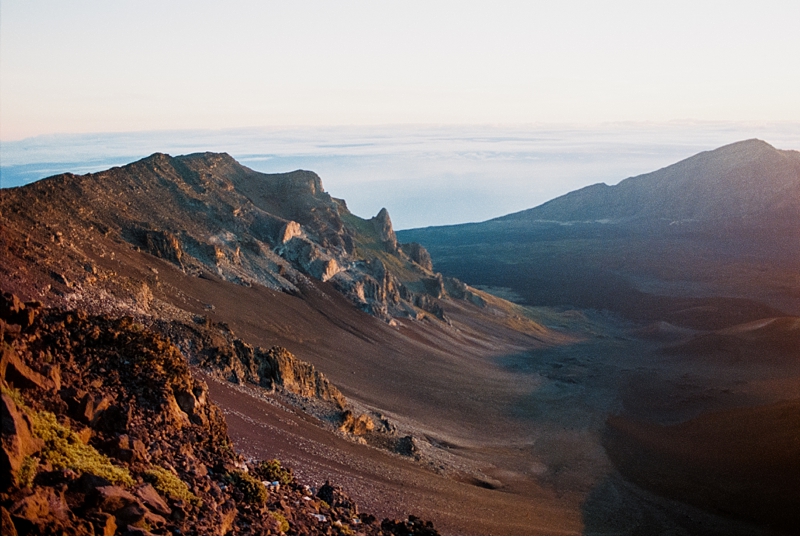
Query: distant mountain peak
point(745, 180)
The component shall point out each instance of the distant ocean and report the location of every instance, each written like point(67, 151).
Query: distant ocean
point(424, 175)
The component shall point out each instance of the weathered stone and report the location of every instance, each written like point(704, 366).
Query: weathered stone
point(88, 482)
point(279, 367)
point(418, 254)
point(43, 511)
point(91, 408)
point(357, 425)
point(290, 230)
point(406, 446)
point(163, 245)
point(7, 527)
point(16, 373)
point(227, 513)
point(337, 499)
point(103, 523)
point(14, 311)
point(112, 498)
point(383, 227)
point(152, 499)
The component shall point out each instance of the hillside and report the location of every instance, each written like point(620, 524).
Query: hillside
point(745, 183)
point(306, 320)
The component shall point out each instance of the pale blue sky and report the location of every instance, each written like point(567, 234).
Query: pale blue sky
point(98, 66)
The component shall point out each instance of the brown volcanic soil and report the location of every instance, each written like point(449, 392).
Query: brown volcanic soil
point(743, 462)
point(381, 482)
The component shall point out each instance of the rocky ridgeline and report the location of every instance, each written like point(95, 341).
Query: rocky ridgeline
point(207, 214)
point(105, 431)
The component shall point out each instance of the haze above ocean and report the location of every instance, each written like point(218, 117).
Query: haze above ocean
point(424, 175)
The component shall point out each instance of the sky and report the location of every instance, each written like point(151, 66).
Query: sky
point(446, 111)
point(97, 66)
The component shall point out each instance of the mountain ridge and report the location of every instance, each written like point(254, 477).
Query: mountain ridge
point(744, 181)
point(206, 212)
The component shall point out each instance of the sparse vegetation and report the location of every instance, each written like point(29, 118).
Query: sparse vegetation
point(27, 473)
point(253, 490)
point(169, 484)
point(64, 450)
point(14, 394)
point(283, 524)
point(344, 529)
point(271, 470)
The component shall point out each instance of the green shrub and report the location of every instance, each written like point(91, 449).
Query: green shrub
point(271, 470)
point(344, 529)
point(64, 450)
point(27, 471)
point(15, 395)
point(170, 485)
point(253, 490)
point(283, 524)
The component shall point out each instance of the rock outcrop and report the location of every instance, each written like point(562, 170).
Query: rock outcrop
point(383, 228)
point(210, 216)
point(131, 444)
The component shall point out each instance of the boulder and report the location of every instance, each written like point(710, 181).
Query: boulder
point(44, 511)
point(16, 373)
point(356, 425)
point(290, 230)
point(103, 523)
point(153, 500)
point(111, 499)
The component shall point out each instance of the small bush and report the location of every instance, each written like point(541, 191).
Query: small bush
point(283, 524)
point(64, 450)
point(344, 529)
point(27, 471)
point(170, 485)
point(15, 395)
point(253, 490)
point(271, 470)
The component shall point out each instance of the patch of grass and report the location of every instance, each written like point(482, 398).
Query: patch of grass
point(283, 524)
point(169, 484)
point(14, 394)
point(254, 491)
point(64, 450)
point(271, 470)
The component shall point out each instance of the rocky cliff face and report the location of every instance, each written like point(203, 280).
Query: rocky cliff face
point(207, 214)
